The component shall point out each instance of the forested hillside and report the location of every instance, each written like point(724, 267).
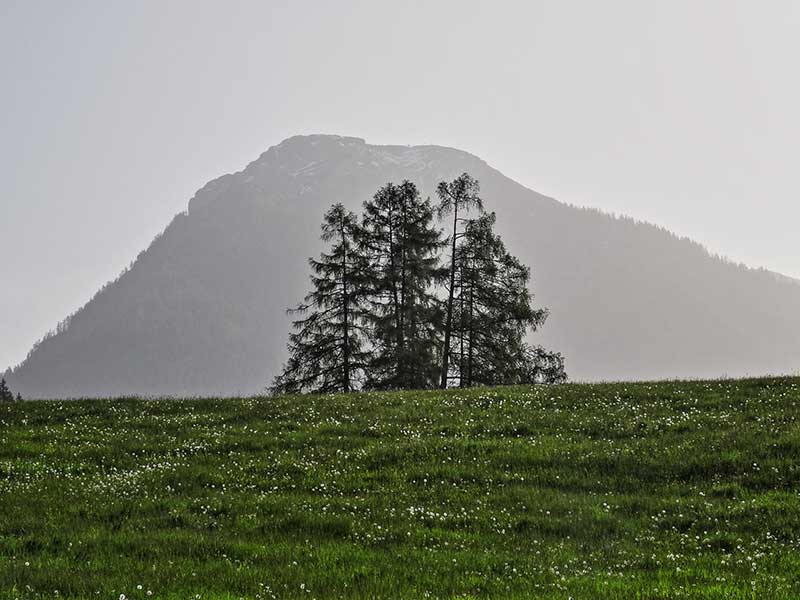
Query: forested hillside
point(202, 310)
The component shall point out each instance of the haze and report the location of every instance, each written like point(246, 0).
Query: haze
point(113, 114)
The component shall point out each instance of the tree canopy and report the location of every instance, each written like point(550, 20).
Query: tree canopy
point(384, 313)
point(326, 348)
point(401, 242)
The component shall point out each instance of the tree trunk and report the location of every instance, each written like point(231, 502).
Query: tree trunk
point(401, 333)
point(461, 327)
point(346, 309)
point(449, 315)
point(470, 359)
point(395, 299)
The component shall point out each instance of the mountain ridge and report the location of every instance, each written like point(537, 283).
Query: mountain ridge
point(213, 278)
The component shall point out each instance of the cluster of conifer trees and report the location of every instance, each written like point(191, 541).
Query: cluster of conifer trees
point(6, 395)
point(388, 311)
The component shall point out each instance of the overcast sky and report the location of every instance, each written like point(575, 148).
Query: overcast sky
point(112, 113)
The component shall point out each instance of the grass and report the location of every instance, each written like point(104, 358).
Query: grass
point(651, 490)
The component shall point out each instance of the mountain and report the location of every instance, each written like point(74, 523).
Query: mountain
point(202, 310)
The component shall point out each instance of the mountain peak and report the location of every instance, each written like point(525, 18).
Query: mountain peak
point(301, 164)
point(305, 146)
point(202, 310)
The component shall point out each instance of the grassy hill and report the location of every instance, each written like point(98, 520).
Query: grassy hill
point(586, 491)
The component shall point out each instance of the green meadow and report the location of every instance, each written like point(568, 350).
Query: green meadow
point(626, 490)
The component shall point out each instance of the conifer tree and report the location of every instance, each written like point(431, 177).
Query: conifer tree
point(400, 239)
point(325, 349)
point(493, 312)
point(5, 394)
point(456, 198)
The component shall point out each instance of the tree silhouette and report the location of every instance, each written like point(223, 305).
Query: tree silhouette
point(399, 237)
point(537, 365)
point(373, 319)
point(457, 198)
point(493, 309)
point(325, 350)
point(5, 394)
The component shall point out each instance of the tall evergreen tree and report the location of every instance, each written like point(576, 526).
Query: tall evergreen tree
point(493, 312)
point(325, 349)
point(456, 198)
point(5, 394)
point(400, 239)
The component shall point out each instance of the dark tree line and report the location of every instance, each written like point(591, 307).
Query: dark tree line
point(395, 305)
point(6, 395)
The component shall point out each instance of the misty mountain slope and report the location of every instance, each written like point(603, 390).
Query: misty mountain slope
point(202, 310)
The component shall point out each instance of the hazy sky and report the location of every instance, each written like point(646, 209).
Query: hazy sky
point(112, 113)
